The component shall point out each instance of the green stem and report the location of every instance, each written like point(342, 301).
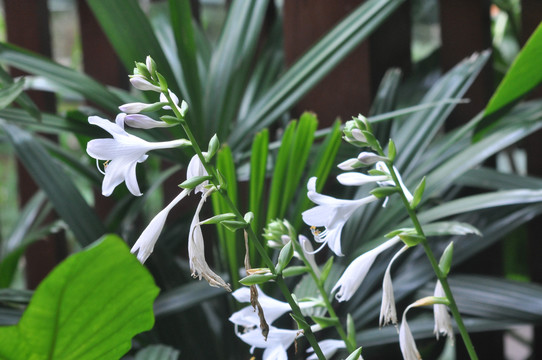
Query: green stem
point(327, 302)
point(434, 264)
point(252, 236)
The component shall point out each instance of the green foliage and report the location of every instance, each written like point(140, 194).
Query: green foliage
point(522, 77)
point(72, 312)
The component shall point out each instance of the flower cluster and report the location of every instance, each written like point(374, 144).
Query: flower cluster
point(124, 151)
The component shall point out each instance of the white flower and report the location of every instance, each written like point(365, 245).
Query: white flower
point(122, 153)
point(147, 239)
point(273, 308)
point(140, 83)
point(387, 309)
point(141, 121)
point(369, 158)
point(406, 340)
point(278, 340)
point(332, 214)
point(355, 273)
point(349, 164)
point(329, 347)
point(443, 322)
point(357, 178)
point(134, 108)
point(196, 168)
point(308, 251)
point(182, 109)
point(382, 167)
point(196, 252)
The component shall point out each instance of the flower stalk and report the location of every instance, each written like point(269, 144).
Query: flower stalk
point(434, 264)
point(251, 235)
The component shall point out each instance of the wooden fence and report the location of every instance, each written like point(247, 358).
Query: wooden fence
point(465, 28)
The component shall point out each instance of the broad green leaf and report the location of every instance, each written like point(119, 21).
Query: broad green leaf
point(522, 76)
point(90, 306)
point(58, 186)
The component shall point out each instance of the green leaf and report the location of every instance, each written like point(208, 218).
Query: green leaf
point(255, 279)
point(58, 186)
point(382, 192)
point(445, 262)
point(294, 271)
point(444, 228)
point(285, 255)
point(313, 66)
point(523, 75)
point(418, 193)
point(63, 76)
point(258, 166)
point(325, 322)
point(158, 352)
point(411, 239)
point(90, 306)
point(23, 99)
point(194, 181)
point(9, 93)
point(355, 355)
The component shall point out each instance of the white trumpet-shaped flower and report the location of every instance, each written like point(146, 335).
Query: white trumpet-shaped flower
point(329, 347)
point(443, 321)
point(278, 341)
point(387, 309)
point(355, 273)
point(196, 252)
point(332, 214)
point(122, 153)
point(406, 340)
point(145, 244)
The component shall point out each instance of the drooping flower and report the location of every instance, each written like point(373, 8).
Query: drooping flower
point(387, 309)
point(146, 241)
point(332, 214)
point(122, 153)
point(278, 341)
point(406, 340)
point(443, 321)
point(329, 347)
point(196, 252)
point(355, 273)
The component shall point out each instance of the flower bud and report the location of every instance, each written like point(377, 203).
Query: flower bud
point(140, 121)
point(140, 83)
point(350, 164)
point(151, 65)
point(369, 158)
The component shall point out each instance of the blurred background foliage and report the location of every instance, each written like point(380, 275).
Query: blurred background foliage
point(228, 63)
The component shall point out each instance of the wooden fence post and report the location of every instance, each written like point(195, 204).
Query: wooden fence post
point(348, 89)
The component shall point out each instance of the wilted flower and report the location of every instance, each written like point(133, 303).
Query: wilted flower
point(332, 214)
point(196, 252)
point(406, 340)
point(122, 153)
point(355, 273)
point(387, 309)
point(443, 322)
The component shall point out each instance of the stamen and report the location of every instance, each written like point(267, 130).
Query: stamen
point(98, 166)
